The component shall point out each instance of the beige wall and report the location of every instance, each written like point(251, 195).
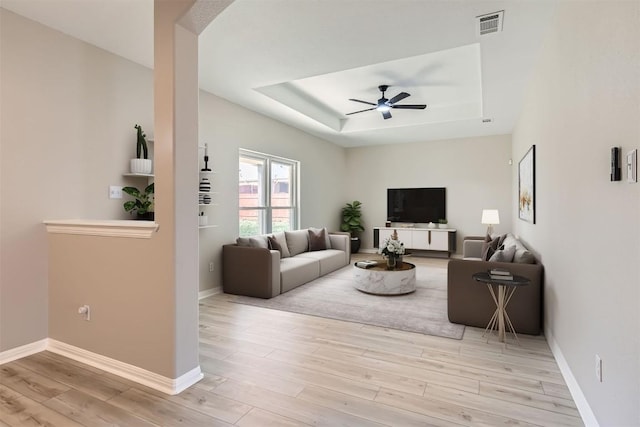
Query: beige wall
point(475, 172)
point(68, 111)
point(584, 99)
point(226, 127)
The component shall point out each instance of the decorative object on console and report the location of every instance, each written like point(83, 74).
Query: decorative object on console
point(392, 249)
point(141, 164)
point(442, 223)
point(143, 203)
point(527, 186)
point(490, 217)
point(431, 225)
point(206, 158)
point(352, 223)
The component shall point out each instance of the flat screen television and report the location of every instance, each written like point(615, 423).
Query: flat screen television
point(416, 204)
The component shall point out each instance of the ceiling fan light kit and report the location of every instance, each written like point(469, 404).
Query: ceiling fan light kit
point(384, 105)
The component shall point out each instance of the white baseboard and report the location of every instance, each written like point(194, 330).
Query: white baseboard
point(588, 417)
point(23, 351)
point(209, 292)
point(125, 370)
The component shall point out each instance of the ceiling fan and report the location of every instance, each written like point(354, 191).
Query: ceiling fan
point(384, 104)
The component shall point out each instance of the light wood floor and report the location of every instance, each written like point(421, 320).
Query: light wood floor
point(270, 368)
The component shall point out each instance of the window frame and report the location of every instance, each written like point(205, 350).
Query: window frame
point(266, 205)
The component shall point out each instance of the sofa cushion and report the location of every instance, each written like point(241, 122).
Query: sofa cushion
point(327, 239)
point(489, 246)
point(296, 271)
point(259, 242)
point(317, 240)
point(282, 241)
point(523, 256)
point(329, 259)
point(297, 241)
point(253, 242)
point(504, 255)
point(274, 245)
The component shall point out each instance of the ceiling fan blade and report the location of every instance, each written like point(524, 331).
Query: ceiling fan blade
point(398, 97)
point(386, 115)
point(410, 106)
point(361, 111)
point(364, 102)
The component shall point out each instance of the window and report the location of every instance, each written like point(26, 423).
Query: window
point(268, 195)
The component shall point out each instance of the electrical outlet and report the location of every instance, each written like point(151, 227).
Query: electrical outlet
point(115, 192)
point(210, 266)
point(598, 368)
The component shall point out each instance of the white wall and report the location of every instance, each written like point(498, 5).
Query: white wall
point(68, 111)
point(475, 172)
point(226, 127)
point(584, 99)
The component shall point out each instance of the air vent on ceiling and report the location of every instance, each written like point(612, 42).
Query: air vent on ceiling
point(489, 23)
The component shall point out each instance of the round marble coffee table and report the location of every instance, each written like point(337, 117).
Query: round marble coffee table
point(380, 281)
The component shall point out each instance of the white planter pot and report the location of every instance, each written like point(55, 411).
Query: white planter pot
point(141, 165)
point(203, 220)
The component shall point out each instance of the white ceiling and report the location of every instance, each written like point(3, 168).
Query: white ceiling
point(299, 61)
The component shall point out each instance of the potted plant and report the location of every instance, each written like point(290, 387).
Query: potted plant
point(141, 164)
point(142, 206)
point(352, 222)
point(442, 223)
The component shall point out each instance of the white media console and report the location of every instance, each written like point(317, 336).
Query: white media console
point(441, 240)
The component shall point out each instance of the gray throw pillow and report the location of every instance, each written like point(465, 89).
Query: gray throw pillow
point(523, 256)
point(282, 241)
point(504, 255)
point(489, 247)
point(274, 245)
point(259, 242)
point(243, 241)
point(297, 241)
point(317, 240)
point(326, 236)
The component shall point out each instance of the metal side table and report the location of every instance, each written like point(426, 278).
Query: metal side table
point(501, 291)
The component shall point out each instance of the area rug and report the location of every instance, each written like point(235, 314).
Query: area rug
point(333, 296)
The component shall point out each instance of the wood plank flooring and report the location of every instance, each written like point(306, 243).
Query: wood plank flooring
point(271, 368)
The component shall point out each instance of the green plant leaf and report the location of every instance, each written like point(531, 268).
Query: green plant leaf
point(132, 191)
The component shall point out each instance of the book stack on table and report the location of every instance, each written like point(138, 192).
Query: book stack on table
point(500, 274)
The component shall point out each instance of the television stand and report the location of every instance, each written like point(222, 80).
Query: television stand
point(437, 240)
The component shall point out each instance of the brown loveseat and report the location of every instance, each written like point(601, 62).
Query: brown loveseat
point(255, 268)
point(470, 303)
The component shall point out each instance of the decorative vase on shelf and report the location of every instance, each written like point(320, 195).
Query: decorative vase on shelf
point(205, 185)
point(141, 166)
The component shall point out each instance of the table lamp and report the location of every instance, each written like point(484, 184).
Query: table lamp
point(489, 218)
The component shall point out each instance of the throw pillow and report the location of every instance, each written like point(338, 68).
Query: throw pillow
point(282, 241)
point(243, 241)
point(523, 256)
point(489, 247)
point(274, 245)
point(504, 255)
point(326, 236)
point(259, 242)
point(317, 240)
point(297, 241)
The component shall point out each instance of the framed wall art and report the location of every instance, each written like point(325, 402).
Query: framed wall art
point(527, 186)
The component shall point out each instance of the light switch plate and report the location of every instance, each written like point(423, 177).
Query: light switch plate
point(632, 166)
point(115, 192)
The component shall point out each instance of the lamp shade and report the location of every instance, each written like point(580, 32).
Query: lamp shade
point(490, 216)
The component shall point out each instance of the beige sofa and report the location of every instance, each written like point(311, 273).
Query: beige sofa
point(470, 303)
point(267, 265)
